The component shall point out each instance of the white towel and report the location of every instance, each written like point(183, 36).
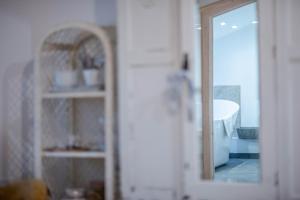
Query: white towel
point(229, 124)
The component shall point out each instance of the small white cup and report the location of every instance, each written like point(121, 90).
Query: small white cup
point(91, 77)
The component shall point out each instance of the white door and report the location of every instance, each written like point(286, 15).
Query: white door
point(195, 187)
point(147, 40)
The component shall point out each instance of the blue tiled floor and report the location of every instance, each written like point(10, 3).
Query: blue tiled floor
point(239, 170)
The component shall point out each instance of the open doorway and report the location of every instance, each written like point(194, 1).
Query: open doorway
point(230, 81)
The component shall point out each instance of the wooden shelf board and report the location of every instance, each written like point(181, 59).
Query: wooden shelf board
point(93, 94)
point(73, 154)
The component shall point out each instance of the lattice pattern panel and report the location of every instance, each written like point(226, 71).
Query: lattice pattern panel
point(58, 175)
point(18, 122)
point(82, 118)
point(56, 122)
point(72, 173)
point(87, 171)
point(89, 123)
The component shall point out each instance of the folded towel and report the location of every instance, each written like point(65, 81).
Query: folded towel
point(229, 124)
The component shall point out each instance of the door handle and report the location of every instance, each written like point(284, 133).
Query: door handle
point(178, 82)
point(185, 64)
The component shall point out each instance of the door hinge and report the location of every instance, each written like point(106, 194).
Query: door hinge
point(276, 180)
point(274, 52)
point(174, 195)
point(186, 166)
point(132, 189)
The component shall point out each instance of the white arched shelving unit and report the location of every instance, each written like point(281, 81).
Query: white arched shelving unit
point(74, 126)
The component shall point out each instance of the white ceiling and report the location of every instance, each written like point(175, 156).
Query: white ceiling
point(240, 17)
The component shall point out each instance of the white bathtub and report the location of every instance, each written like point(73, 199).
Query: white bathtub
point(225, 114)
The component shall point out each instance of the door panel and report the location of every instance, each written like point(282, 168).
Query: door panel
point(147, 56)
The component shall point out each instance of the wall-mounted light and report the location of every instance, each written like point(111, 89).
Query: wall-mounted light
point(254, 22)
point(223, 24)
point(234, 27)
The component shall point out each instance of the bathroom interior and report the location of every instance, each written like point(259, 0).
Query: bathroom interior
point(235, 88)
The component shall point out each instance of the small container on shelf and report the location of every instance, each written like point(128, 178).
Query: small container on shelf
point(92, 67)
point(65, 79)
point(75, 193)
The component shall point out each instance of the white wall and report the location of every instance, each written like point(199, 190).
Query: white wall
point(24, 23)
point(236, 63)
point(42, 15)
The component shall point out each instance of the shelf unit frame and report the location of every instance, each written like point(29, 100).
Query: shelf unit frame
point(106, 95)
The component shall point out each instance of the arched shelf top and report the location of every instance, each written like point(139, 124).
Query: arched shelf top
point(81, 30)
point(69, 46)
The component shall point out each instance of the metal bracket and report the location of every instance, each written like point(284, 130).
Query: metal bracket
point(186, 197)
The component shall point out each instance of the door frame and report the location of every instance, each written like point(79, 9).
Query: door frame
point(193, 186)
point(207, 14)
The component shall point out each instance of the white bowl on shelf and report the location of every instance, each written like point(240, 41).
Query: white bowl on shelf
point(65, 78)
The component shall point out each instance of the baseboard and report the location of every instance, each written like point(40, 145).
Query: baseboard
point(244, 155)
